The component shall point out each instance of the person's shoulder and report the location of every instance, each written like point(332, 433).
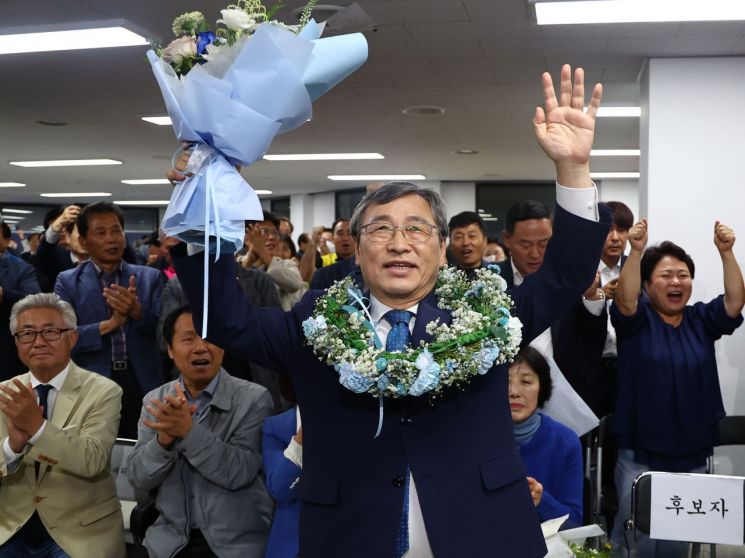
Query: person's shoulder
point(560, 430)
point(91, 380)
point(142, 271)
point(280, 420)
point(242, 388)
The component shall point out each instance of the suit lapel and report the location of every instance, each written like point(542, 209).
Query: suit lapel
point(63, 407)
point(427, 312)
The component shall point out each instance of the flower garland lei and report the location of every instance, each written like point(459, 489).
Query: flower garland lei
point(482, 334)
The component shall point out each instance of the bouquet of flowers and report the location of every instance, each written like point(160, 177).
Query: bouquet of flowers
point(229, 90)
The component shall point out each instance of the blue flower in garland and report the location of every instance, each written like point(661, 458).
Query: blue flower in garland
point(312, 326)
point(350, 379)
point(429, 374)
point(485, 359)
point(203, 39)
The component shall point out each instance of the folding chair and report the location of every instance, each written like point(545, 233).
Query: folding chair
point(641, 510)
point(731, 433)
point(606, 502)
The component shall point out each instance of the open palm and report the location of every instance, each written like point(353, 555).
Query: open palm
point(564, 131)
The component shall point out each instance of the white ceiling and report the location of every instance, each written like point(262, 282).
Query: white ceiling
point(479, 59)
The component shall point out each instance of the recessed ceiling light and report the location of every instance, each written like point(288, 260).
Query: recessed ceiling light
point(159, 120)
point(10, 210)
point(424, 110)
point(491, 219)
point(323, 157)
point(484, 215)
point(75, 195)
point(263, 192)
point(12, 185)
point(143, 181)
point(607, 175)
point(466, 152)
point(142, 202)
point(15, 219)
point(376, 177)
point(618, 112)
point(75, 39)
point(637, 11)
point(67, 163)
point(615, 153)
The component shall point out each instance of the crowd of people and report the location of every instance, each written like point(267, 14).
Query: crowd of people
point(249, 442)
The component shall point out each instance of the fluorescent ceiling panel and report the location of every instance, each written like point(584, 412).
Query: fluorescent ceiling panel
point(11, 210)
point(144, 181)
point(376, 177)
point(142, 202)
point(75, 39)
point(159, 120)
point(263, 192)
point(75, 194)
point(615, 153)
point(637, 11)
point(617, 112)
point(12, 185)
point(324, 157)
point(67, 163)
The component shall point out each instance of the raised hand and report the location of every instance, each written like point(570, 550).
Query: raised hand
point(124, 299)
point(638, 235)
point(172, 417)
point(68, 217)
point(563, 130)
point(610, 289)
point(592, 291)
point(724, 237)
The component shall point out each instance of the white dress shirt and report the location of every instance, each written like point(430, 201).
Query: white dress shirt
point(607, 274)
point(12, 458)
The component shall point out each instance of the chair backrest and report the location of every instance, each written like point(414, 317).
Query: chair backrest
point(732, 431)
point(689, 507)
point(119, 454)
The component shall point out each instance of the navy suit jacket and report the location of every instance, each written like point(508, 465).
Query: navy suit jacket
point(82, 289)
point(460, 447)
point(17, 279)
point(326, 276)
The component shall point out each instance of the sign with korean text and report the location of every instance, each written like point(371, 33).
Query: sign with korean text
point(697, 508)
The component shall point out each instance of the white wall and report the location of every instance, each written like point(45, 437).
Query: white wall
point(458, 196)
point(625, 191)
point(693, 173)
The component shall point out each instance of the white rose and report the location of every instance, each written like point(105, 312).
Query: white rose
point(235, 20)
point(183, 47)
point(515, 329)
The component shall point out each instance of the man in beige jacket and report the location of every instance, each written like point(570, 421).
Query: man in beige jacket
point(58, 424)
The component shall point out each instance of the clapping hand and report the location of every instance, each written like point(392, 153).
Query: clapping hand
point(536, 490)
point(123, 300)
point(724, 237)
point(172, 417)
point(638, 235)
point(564, 131)
point(22, 411)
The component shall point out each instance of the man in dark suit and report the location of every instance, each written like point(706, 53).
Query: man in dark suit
point(444, 476)
point(467, 241)
point(526, 234)
point(17, 279)
point(117, 305)
point(584, 340)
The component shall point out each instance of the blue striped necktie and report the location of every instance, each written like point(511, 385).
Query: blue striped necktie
point(399, 338)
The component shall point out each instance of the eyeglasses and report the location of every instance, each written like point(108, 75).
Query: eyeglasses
point(385, 232)
point(48, 334)
point(269, 232)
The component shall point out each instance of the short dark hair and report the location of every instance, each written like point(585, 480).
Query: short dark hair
point(282, 218)
point(289, 243)
point(654, 254)
point(465, 218)
point(98, 208)
point(535, 361)
point(6, 230)
point(339, 220)
point(394, 190)
point(523, 211)
point(271, 217)
point(623, 217)
point(304, 237)
point(169, 324)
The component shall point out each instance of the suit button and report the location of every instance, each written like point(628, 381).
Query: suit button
point(398, 481)
point(405, 420)
point(37, 499)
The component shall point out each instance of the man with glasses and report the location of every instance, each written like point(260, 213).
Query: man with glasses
point(345, 261)
point(58, 424)
point(443, 477)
